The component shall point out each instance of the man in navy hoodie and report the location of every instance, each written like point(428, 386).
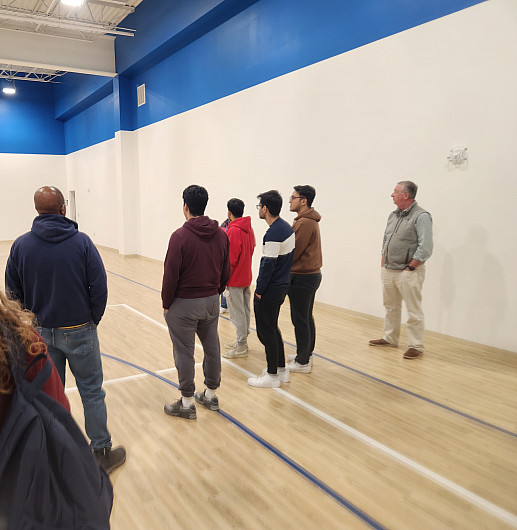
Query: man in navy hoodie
point(56, 272)
point(196, 270)
point(272, 285)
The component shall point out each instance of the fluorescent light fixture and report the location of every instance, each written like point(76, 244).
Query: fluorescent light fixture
point(9, 88)
point(73, 3)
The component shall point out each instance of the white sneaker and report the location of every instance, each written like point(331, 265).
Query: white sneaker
point(230, 345)
point(265, 380)
point(223, 310)
point(283, 375)
point(238, 351)
point(292, 357)
point(293, 366)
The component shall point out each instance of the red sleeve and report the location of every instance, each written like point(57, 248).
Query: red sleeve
point(235, 248)
point(53, 387)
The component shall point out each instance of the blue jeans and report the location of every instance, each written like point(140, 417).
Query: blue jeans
point(81, 347)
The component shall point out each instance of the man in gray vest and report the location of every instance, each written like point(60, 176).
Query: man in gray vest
point(407, 245)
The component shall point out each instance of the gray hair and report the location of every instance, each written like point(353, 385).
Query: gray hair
point(409, 187)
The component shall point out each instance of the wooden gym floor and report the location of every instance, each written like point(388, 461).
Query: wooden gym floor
point(366, 440)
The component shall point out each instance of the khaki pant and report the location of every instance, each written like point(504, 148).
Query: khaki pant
point(238, 301)
point(407, 286)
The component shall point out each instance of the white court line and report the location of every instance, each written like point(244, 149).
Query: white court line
point(493, 509)
point(163, 326)
point(128, 378)
point(445, 483)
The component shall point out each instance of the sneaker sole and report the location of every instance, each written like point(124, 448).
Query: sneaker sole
point(207, 404)
point(262, 386)
point(236, 356)
point(189, 416)
point(293, 358)
point(114, 466)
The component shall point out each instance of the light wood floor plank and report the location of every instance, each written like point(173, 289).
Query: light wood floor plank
point(367, 424)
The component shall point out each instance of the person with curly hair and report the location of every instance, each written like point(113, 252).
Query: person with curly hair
point(20, 322)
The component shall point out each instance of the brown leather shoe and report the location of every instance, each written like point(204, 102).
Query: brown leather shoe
point(379, 342)
point(412, 353)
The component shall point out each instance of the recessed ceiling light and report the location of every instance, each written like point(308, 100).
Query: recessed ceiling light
point(9, 87)
point(73, 3)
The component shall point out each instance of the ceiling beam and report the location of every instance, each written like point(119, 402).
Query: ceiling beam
point(44, 51)
point(111, 3)
point(63, 23)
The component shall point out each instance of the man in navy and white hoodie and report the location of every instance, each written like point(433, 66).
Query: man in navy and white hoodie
point(56, 272)
point(271, 289)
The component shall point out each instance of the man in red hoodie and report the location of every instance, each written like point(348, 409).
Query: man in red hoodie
point(242, 245)
point(196, 269)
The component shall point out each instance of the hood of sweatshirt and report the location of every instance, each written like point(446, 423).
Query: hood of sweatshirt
point(202, 226)
point(242, 223)
point(53, 228)
point(311, 213)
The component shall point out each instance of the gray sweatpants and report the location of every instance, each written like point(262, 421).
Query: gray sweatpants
point(186, 318)
point(238, 301)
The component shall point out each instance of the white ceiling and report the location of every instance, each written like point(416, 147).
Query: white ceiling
point(40, 40)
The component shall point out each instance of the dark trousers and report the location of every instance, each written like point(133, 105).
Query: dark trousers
point(267, 309)
point(302, 290)
point(185, 319)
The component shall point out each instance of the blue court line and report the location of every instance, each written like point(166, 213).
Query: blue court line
point(289, 461)
point(376, 379)
point(133, 281)
point(307, 474)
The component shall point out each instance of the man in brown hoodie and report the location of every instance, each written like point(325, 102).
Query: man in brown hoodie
point(305, 276)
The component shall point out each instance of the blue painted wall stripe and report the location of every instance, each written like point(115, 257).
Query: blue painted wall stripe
point(27, 124)
point(198, 52)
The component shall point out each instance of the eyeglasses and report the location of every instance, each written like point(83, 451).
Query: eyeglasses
point(259, 206)
point(292, 197)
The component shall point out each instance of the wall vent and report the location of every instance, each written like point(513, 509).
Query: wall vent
point(140, 92)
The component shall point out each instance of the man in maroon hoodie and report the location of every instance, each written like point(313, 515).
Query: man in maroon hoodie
point(242, 245)
point(196, 270)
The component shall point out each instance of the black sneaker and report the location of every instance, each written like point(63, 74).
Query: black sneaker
point(210, 404)
point(177, 409)
point(110, 458)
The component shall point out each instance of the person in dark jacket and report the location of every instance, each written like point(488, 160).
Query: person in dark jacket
point(271, 289)
point(196, 270)
point(56, 272)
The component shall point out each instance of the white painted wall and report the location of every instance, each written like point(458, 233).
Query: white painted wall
point(20, 177)
point(353, 126)
point(92, 175)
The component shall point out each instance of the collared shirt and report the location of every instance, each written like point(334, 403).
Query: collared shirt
point(424, 229)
